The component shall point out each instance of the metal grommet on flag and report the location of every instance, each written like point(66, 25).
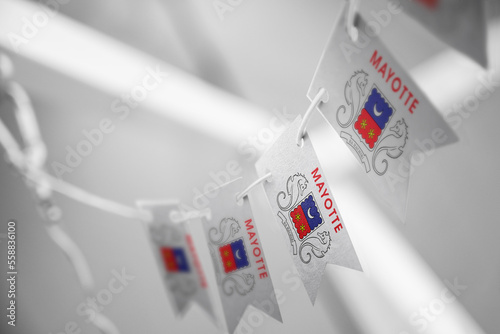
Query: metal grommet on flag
point(322, 96)
point(245, 192)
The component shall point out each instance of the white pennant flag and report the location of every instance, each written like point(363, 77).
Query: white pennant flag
point(177, 257)
point(304, 209)
point(240, 266)
point(459, 23)
point(378, 110)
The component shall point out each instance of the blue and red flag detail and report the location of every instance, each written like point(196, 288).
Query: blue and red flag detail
point(306, 217)
point(175, 259)
point(373, 118)
point(233, 256)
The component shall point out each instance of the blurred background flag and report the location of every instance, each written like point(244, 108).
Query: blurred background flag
point(176, 256)
point(237, 253)
point(459, 23)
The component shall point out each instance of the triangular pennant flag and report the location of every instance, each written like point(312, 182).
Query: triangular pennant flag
point(304, 208)
point(460, 24)
point(378, 110)
point(177, 257)
point(240, 266)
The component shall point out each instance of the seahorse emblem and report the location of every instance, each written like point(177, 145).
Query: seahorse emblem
point(391, 146)
point(228, 227)
point(354, 92)
point(295, 187)
point(239, 283)
point(317, 246)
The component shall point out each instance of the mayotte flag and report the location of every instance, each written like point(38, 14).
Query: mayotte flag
point(373, 118)
point(306, 216)
point(233, 256)
point(175, 259)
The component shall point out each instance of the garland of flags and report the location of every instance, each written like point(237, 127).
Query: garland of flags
point(368, 99)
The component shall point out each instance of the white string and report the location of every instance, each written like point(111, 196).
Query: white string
point(352, 31)
point(182, 216)
point(90, 199)
point(38, 177)
point(322, 96)
point(36, 151)
point(245, 192)
point(82, 270)
point(14, 153)
point(74, 255)
point(30, 164)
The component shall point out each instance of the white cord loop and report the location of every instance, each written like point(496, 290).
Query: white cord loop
point(183, 216)
point(245, 192)
point(30, 164)
point(6, 68)
point(35, 149)
point(92, 200)
point(12, 149)
point(322, 96)
point(352, 31)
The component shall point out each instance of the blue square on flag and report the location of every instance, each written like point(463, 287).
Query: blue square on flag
point(378, 108)
point(312, 213)
point(240, 255)
point(181, 260)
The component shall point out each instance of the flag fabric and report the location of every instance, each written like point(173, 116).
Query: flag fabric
point(237, 253)
point(177, 257)
point(305, 210)
point(377, 109)
point(459, 24)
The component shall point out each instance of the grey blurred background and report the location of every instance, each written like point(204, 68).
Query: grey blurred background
point(229, 77)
